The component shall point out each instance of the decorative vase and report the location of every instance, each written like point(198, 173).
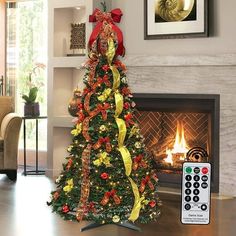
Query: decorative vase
point(73, 107)
point(31, 109)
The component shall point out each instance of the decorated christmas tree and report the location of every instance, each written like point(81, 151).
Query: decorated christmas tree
point(108, 177)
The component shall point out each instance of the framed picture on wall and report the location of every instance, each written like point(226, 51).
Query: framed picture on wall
point(175, 18)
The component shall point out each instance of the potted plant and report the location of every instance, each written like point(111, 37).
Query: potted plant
point(31, 107)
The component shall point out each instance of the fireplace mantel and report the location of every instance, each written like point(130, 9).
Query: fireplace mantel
point(181, 60)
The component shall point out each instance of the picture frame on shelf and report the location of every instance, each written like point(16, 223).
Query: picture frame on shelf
point(77, 40)
point(175, 19)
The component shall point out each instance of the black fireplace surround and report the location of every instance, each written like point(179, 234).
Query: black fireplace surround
point(201, 103)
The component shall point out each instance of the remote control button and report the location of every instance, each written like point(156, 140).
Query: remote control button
point(187, 198)
point(196, 177)
point(195, 198)
point(188, 170)
point(196, 170)
point(204, 185)
point(188, 185)
point(188, 177)
point(188, 191)
point(187, 206)
point(196, 185)
point(196, 191)
point(203, 207)
point(204, 178)
point(204, 170)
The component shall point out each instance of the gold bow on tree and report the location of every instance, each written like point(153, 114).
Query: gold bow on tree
point(77, 130)
point(106, 93)
point(69, 186)
point(103, 158)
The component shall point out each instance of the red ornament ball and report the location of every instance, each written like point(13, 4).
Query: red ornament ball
point(152, 203)
point(65, 209)
point(105, 68)
point(126, 105)
point(81, 106)
point(104, 176)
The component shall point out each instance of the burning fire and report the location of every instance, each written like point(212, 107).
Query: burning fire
point(180, 146)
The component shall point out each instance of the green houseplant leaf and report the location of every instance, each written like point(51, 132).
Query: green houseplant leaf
point(32, 95)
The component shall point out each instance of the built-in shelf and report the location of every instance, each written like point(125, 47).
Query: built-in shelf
point(68, 62)
point(65, 73)
point(65, 80)
point(68, 3)
point(63, 18)
point(63, 121)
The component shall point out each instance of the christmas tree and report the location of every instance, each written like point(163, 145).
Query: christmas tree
point(108, 177)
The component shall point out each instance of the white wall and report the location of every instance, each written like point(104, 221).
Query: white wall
point(221, 24)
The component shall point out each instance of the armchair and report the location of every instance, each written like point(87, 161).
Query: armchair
point(10, 124)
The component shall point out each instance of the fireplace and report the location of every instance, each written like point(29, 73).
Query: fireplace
point(173, 125)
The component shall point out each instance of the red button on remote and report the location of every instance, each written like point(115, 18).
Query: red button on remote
point(204, 170)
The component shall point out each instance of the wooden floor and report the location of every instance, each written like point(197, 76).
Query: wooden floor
point(23, 212)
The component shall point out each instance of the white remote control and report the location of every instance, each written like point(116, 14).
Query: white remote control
point(196, 193)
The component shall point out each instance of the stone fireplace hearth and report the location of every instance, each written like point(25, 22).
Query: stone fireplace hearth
point(195, 75)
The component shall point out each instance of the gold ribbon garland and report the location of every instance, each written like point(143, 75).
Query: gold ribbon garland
point(119, 103)
point(111, 51)
point(116, 77)
point(122, 132)
point(110, 55)
point(137, 202)
point(126, 159)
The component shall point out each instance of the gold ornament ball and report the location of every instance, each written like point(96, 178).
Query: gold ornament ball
point(103, 128)
point(137, 145)
point(115, 218)
point(73, 107)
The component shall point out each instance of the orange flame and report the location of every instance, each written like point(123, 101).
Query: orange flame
point(180, 145)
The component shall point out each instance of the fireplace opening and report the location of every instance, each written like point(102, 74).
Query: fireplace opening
point(174, 124)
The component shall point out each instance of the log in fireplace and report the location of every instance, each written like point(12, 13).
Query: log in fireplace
point(172, 124)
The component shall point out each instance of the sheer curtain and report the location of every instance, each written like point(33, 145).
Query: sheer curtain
point(2, 47)
point(11, 53)
point(25, 46)
point(26, 32)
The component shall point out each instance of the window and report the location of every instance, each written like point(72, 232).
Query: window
point(26, 46)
